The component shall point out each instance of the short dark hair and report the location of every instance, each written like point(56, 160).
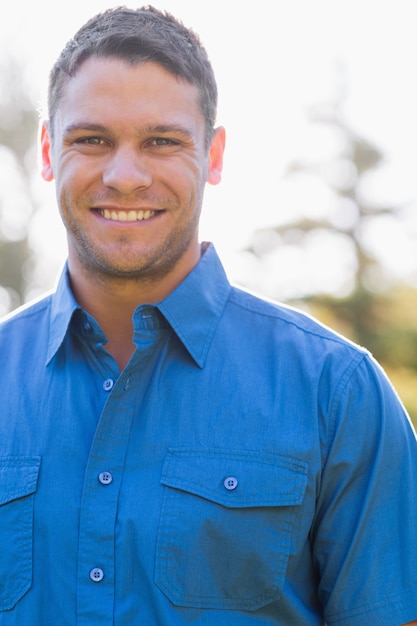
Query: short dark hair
point(137, 36)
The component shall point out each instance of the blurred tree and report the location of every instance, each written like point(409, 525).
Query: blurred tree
point(18, 130)
point(386, 323)
point(345, 216)
point(370, 305)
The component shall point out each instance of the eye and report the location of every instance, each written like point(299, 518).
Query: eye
point(162, 142)
point(91, 141)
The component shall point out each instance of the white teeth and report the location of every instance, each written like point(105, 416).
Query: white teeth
point(126, 216)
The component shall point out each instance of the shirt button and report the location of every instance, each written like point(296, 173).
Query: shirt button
point(108, 384)
point(105, 478)
point(231, 483)
point(96, 575)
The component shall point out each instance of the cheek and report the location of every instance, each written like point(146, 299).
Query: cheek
point(73, 179)
point(190, 177)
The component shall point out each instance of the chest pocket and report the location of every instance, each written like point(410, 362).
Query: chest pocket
point(18, 480)
point(227, 527)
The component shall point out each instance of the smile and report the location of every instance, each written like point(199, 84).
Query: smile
point(126, 216)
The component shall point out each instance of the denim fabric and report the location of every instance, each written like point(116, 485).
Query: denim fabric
point(248, 466)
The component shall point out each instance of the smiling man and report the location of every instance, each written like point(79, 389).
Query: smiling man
point(130, 160)
point(179, 451)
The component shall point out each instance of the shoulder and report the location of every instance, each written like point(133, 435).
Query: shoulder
point(294, 348)
point(25, 318)
point(286, 322)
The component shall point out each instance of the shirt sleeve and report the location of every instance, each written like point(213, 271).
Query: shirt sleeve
point(365, 531)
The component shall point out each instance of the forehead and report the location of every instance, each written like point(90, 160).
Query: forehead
point(116, 89)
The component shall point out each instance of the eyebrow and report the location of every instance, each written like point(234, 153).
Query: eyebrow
point(158, 129)
point(167, 128)
point(98, 128)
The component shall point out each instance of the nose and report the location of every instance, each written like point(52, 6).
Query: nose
point(127, 171)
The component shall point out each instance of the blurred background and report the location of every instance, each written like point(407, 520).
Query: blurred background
point(318, 205)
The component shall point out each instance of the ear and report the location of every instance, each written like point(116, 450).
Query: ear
point(46, 171)
point(216, 152)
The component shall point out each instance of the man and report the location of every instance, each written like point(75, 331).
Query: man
point(174, 450)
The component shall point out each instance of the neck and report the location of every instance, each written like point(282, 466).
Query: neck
point(112, 302)
point(112, 307)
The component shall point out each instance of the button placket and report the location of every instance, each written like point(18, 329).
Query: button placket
point(99, 505)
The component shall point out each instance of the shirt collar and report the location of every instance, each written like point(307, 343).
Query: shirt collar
point(62, 309)
point(193, 309)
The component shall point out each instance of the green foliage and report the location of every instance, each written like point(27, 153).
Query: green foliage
point(386, 324)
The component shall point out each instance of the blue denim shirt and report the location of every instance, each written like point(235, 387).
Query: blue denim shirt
point(248, 466)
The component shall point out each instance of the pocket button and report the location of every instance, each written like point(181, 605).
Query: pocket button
point(231, 483)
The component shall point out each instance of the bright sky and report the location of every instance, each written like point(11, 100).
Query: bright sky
point(273, 59)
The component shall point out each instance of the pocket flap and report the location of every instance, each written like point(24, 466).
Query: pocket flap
point(18, 477)
point(236, 478)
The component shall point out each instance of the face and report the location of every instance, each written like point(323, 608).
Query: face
point(130, 161)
